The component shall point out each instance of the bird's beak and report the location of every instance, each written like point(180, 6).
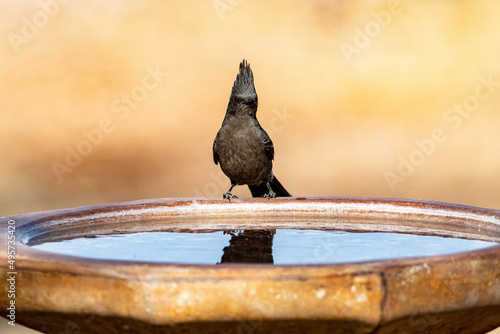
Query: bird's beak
point(251, 102)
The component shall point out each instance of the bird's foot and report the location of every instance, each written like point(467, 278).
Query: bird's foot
point(271, 194)
point(228, 196)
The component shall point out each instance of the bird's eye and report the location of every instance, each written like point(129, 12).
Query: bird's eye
point(235, 99)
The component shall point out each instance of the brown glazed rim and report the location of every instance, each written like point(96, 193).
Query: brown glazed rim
point(320, 213)
point(385, 292)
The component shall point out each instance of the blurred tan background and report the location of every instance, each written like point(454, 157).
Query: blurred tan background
point(109, 101)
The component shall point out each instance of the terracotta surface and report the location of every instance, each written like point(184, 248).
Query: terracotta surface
point(458, 293)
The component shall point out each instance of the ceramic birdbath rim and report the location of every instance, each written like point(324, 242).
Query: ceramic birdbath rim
point(368, 295)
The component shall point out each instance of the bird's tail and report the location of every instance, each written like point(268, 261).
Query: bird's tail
point(261, 189)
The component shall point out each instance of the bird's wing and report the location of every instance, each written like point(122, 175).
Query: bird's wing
point(216, 156)
point(268, 145)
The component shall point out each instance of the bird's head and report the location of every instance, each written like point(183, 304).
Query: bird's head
point(243, 95)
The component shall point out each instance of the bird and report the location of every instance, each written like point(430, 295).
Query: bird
point(242, 147)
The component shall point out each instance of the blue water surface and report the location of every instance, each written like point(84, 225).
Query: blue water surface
point(288, 246)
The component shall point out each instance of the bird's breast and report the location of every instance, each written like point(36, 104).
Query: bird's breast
point(242, 154)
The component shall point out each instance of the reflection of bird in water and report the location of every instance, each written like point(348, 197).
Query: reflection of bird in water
point(249, 246)
point(242, 148)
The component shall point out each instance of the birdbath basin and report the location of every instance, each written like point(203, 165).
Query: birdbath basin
point(57, 293)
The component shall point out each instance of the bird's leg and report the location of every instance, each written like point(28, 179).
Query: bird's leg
point(228, 194)
point(271, 193)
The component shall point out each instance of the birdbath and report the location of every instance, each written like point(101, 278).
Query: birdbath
point(57, 293)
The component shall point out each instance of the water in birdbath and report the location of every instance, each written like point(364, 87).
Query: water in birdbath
point(281, 246)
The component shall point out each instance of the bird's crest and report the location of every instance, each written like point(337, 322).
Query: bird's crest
point(243, 85)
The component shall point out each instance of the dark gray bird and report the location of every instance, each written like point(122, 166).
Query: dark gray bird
point(243, 149)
